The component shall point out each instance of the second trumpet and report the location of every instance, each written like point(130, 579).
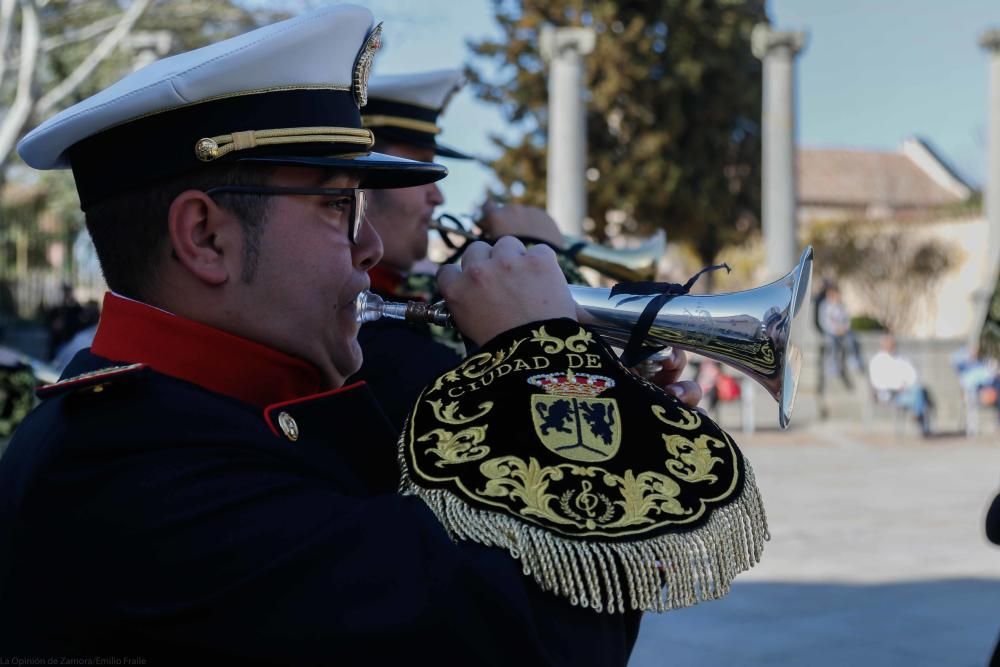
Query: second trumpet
point(637, 263)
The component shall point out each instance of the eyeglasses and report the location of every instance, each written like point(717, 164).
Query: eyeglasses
point(358, 199)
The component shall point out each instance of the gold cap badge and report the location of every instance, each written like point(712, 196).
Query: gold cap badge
point(363, 65)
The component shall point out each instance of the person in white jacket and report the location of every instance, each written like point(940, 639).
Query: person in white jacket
point(894, 379)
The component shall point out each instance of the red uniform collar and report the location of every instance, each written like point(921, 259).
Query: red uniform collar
point(384, 280)
point(134, 332)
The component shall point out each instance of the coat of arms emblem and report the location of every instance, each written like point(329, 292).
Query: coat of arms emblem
point(571, 420)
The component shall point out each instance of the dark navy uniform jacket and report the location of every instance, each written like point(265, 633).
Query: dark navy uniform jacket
point(209, 502)
point(400, 358)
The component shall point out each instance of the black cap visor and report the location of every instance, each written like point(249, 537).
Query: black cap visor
point(444, 151)
point(397, 135)
point(375, 170)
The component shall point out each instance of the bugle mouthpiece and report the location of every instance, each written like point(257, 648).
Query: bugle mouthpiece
point(370, 307)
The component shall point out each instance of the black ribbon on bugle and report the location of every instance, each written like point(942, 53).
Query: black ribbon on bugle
point(450, 222)
point(635, 350)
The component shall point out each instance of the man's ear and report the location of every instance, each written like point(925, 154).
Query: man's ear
point(205, 238)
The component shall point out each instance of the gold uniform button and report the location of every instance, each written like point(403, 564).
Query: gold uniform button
point(288, 426)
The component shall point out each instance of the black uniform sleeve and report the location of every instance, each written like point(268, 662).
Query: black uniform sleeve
point(198, 553)
point(993, 521)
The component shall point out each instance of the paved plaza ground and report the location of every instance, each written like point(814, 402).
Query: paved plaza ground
point(877, 557)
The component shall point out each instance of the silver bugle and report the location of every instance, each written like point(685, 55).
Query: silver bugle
point(754, 331)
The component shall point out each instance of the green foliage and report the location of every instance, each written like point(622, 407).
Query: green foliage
point(973, 205)
point(17, 397)
point(673, 118)
point(989, 340)
point(867, 323)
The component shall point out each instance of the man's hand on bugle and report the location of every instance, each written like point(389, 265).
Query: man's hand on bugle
point(503, 286)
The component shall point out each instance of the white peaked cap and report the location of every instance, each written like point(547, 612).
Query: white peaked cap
point(431, 90)
point(404, 108)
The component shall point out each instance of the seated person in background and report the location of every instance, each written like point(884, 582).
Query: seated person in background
point(978, 377)
point(717, 385)
point(894, 380)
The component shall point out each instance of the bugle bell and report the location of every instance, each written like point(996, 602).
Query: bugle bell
point(754, 331)
point(625, 264)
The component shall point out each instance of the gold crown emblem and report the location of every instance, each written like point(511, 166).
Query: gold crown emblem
point(572, 384)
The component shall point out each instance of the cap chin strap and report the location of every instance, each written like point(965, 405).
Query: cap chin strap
point(212, 148)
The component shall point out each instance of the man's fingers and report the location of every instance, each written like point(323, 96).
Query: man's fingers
point(476, 253)
point(542, 250)
point(675, 360)
point(446, 277)
point(687, 391)
point(508, 247)
point(671, 366)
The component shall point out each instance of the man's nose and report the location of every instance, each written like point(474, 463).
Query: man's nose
point(434, 195)
point(368, 250)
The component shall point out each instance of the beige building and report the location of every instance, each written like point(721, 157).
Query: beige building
point(914, 190)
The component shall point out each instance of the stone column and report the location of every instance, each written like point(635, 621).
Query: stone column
point(566, 185)
point(989, 282)
point(990, 41)
point(779, 192)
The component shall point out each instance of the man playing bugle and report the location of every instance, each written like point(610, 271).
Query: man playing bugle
point(202, 485)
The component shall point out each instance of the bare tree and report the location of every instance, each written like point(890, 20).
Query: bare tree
point(24, 99)
point(30, 103)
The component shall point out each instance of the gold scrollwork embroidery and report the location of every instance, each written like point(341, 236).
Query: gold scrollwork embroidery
point(481, 364)
point(645, 494)
point(450, 377)
point(642, 497)
point(579, 341)
point(448, 413)
point(475, 366)
point(691, 419)
point(462, 447)
point(695, 458)
point(511, 477)
point(552, 345)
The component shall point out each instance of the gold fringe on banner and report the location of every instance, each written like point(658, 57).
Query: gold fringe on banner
point(654, 574)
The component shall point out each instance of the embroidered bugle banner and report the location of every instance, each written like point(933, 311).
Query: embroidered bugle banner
point(610, 491)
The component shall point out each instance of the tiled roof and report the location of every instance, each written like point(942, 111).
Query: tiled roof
point(864, 178)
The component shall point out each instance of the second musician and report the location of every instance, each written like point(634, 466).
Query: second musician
point(400, 357)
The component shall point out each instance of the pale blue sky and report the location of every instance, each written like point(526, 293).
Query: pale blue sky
point(873, 73)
